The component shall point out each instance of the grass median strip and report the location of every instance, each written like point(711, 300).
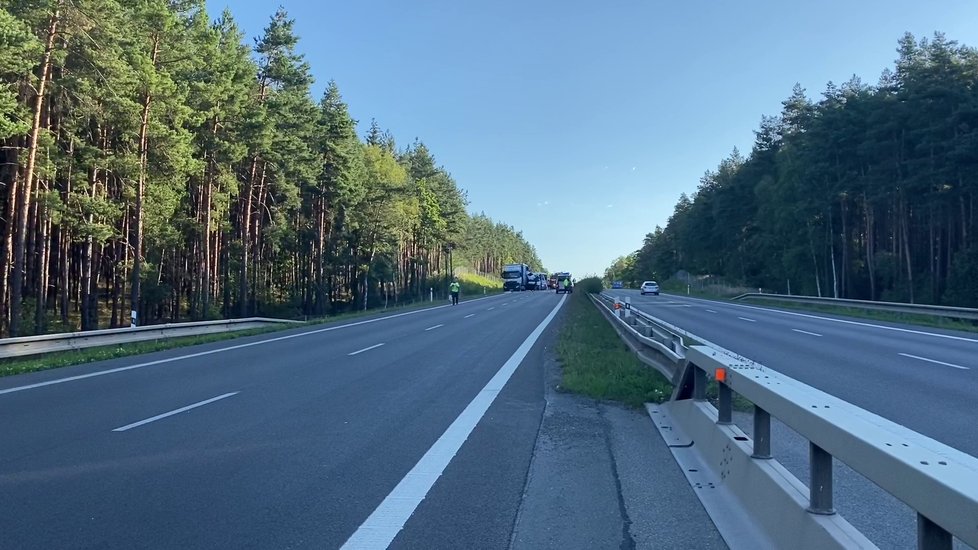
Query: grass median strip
point(597, 363)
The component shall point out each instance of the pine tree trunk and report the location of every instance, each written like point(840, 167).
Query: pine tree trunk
point(835, 278)
point(137, 229)
point(23, 199)
point(245, 230)
point(43, 259)
point(811, 246)
point(904, 215)
point(870, 252)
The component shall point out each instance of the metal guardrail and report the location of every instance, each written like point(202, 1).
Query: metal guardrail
point(46, 343)
point(951, 312)
point(937, 481)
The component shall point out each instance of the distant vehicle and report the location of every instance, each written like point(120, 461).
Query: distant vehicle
point(542, 283)
point(516, 277)
point(650, 287)
point(561, 277)
point(531, 281)
point(617, 284)
point(553, 281)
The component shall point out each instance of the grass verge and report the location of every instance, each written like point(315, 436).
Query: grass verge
point(597, 363)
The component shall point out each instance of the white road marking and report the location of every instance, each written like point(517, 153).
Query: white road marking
point(173, 412)
point(469, 315)
point(358, 352)
point(806, 332)
point(846, 322)
point(935, 361)
point(221, 350)
point(387, 520)
point(492, 308)
point(711, 311)
point(746, 319)
point(433, 328)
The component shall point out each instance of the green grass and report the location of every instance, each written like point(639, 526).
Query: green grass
point(473, 283)
point(597, 363)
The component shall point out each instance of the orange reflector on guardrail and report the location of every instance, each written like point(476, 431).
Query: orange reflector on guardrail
point(721, 375)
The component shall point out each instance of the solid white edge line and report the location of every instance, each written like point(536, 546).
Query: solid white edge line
point(229, 348)
point(173, 412)
point(434, 327)
point(387, 520)
point(844, 321)
point(935, 361)
point(711, 311)
point(806, 332)
point(746, 319)
point(358, 352)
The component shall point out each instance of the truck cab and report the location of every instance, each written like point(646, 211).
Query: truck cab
point(516, 277)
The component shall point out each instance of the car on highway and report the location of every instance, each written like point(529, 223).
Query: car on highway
point(617, 285)
point(650, 287)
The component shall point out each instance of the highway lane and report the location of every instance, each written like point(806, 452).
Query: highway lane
point(313, 440)
point(925, 379)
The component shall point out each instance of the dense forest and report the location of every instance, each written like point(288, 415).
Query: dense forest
point(867, 192)
point(151, 160)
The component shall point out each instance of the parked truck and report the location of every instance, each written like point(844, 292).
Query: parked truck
point(516, 277)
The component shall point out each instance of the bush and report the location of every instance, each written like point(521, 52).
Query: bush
point(590, 285)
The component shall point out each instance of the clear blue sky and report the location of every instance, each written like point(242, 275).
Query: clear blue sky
point(580, 122)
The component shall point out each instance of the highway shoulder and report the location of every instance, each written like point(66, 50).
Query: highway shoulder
point(602, 477)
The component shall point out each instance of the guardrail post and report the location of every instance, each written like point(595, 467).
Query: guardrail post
point(699, 384)
point(931, 536)
point(762, 434)
point(725, 408)
point(820, 486)
point(677, 346)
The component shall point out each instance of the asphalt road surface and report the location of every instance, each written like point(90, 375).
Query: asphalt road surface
point(414, 430)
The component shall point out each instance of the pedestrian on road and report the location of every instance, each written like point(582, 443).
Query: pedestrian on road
point(455, 288)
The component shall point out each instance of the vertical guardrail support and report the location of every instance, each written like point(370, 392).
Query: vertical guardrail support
point(677, 346)
point(762, 434)
point(820, 482)
point(725, 405)
point(699, 384)
point(931, 536)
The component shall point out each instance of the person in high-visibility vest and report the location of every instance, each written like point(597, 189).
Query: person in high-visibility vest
point(566, 284)
point(454, 287)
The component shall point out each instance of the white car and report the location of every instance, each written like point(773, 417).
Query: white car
point(650, 287)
